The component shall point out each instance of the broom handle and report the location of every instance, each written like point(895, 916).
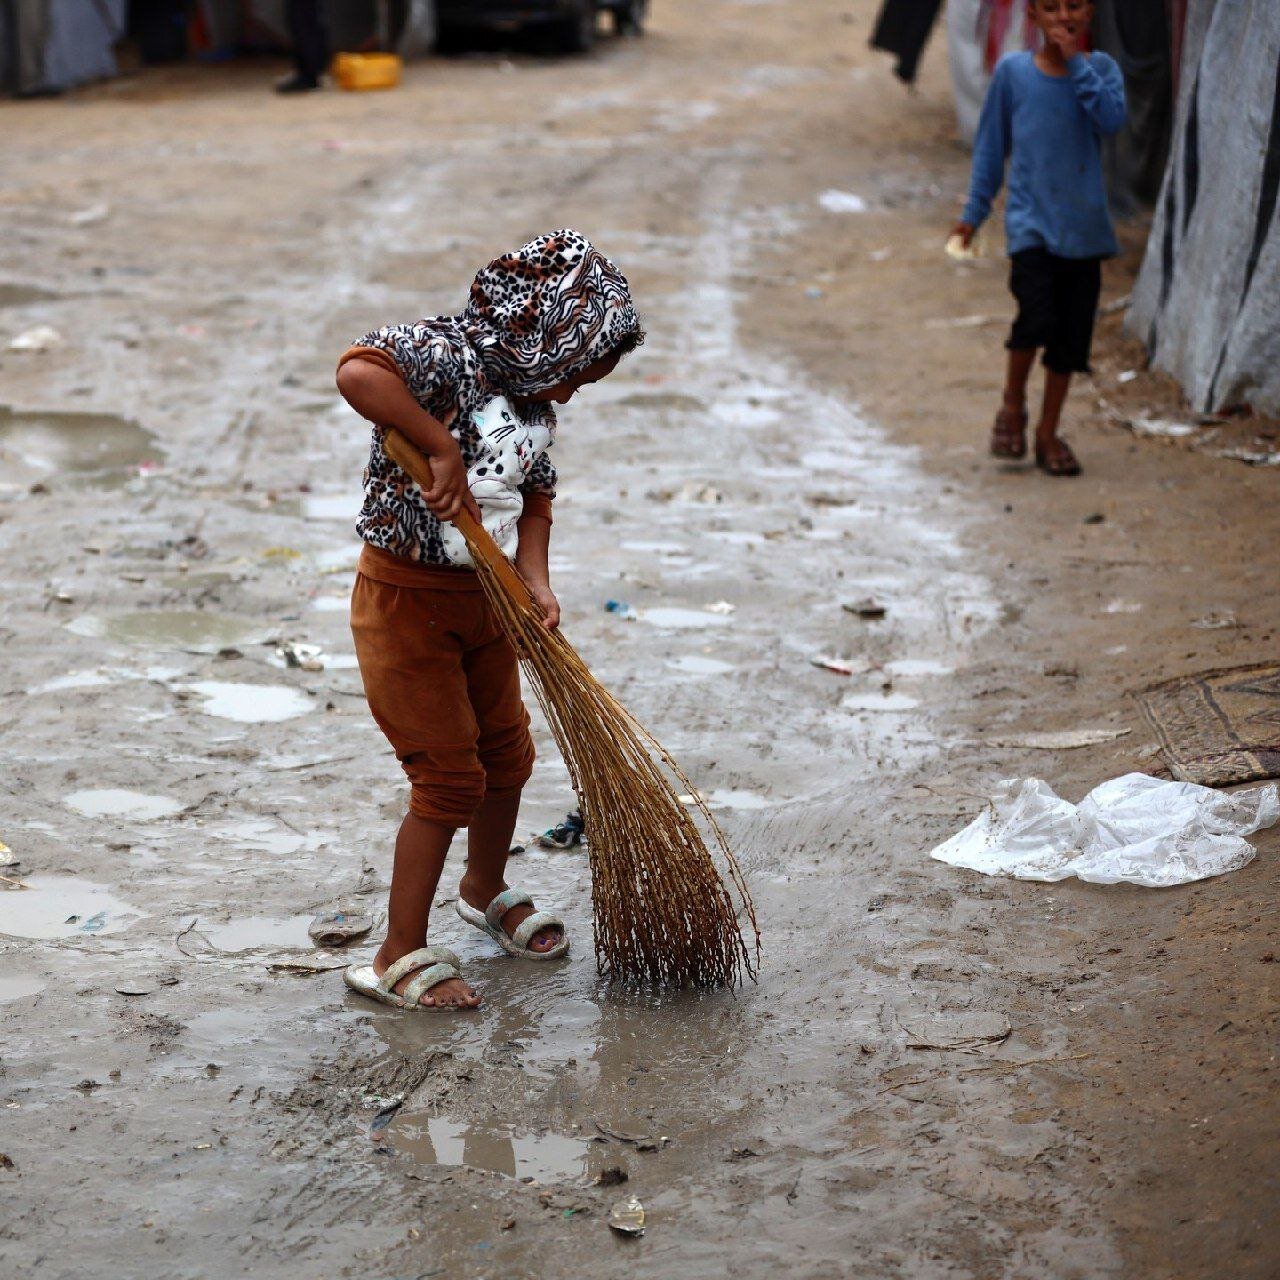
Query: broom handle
point(410, 459)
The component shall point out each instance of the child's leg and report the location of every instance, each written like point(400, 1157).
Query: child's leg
point(421, 848)
point(1055, 395)
point(1017, 373)
point(488, 843)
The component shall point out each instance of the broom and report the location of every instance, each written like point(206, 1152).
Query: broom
point(663, 913)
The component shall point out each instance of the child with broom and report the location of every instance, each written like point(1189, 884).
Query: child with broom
point(474, 392)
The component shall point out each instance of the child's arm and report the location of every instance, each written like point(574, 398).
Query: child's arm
point(376, 393)
point(534, 532)
point(990, 150)
point(1099, 89)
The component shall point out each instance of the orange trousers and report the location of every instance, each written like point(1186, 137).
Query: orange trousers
point(442, 682)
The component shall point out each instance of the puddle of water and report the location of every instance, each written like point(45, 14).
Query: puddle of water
point(168, 628)
point(681, 618)
point(116, 803)
point(252, 703)
point(63, 907)
point(259, 834)
point(827, 460)
point(877, 701)
point(332, 506)
point(728, 798)
point(745, 414)
point(18, 986)
point(907, 667)
point(499, 1148)
point(100, 676)
point(259, 933)
point(100, 447)
point(699, 666)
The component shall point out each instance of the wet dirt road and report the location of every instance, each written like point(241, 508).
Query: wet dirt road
point(179, 489)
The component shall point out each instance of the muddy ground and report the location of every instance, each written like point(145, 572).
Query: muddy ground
point(805, 426)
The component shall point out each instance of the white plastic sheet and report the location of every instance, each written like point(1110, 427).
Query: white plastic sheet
point(1135, 829)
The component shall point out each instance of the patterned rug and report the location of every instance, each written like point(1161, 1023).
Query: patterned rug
point(1218, 727)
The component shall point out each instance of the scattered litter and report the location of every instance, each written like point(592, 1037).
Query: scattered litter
point(43, 337)
point(281, 553)
point(1254, 457)
point(627, 1217)
point(568, 834)
point(1164, 428)
point(6, 1162)
point(834, 201)
point(868, 608)
point(7, 856)
point(307, 965)
point(692, 491)
point(1063, 740)
point(958, 251)
point(841, 666)
point(969, 1030)
point(515, 851)
point(88, 217)
point(308, 657)
point(1217, 620)
point(613, 1175)
point(722, 607)
point(13, 884)
point(135, 988)
point(1095, 517)
point(1127, 376)
point(385, 1114)
point(337, 928)
point(621, 608)
point(1135, 829)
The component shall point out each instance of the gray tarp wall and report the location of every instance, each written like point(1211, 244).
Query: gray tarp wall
point(1207, 300)
point(58, 44)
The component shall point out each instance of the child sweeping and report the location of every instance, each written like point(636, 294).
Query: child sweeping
point(1045, 113)
point(474, 392)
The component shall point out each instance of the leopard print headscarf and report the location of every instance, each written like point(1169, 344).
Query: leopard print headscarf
point(545, 312)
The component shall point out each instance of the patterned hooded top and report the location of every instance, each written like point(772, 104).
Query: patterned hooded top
point(535, 318)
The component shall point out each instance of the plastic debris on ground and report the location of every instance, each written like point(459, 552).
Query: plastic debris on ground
point(694, 492)
point(969, 1030)
point(336, 928)
point(1217, 620)
point(622, 609)
point(307, 657)
point(7, 856)
point(565, 835)
point(834, 201)
point(867, 608)
point(43, 337)
point(722, 607)
point(1063, 740)
point(1161, 428)
point(841, 666)
point(627, 1217)
point(1134, 829)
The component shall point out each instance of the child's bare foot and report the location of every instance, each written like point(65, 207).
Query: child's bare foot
point(479, 897)
point(452, 993)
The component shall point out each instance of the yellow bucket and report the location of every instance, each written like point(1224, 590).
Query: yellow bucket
point(356, 71)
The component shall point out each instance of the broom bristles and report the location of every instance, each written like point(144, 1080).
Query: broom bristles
point(663, 913)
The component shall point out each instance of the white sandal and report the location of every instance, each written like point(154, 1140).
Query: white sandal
point(437, 964)
point(515, 944)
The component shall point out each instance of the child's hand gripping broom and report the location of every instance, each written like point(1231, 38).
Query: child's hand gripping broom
point(662, 911)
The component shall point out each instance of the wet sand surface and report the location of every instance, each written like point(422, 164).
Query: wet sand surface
point(190, 1091)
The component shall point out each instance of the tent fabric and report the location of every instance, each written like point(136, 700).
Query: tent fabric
point(1136, 33)
point(58, 44)
point(979, 34)
point(1204, 300)
point(903, 28)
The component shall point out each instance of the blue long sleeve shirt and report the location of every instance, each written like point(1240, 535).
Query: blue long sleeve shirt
point(1048, 129)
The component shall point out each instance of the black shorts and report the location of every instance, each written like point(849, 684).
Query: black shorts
point(1057, 301)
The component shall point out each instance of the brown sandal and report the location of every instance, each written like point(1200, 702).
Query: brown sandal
point(1061, 462)
point(1008, 435)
